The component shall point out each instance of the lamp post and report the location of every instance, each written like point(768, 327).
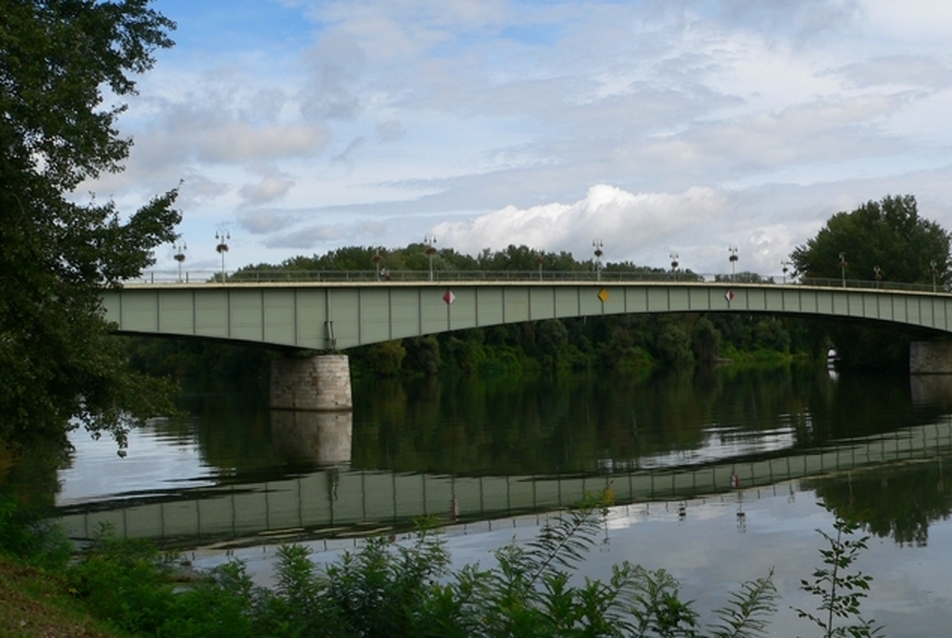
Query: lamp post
point(222, 237)
point(877, 275)
point(674, 263)
point(430, 241)
point(376, 259)
point(179, 256)
point(785, 265)
point(598, 258)
point(843, 269)
point(540, 260)
point(935, 269)
point(733, 259)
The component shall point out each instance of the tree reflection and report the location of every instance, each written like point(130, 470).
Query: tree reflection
point(568, 424)
point(897, 501)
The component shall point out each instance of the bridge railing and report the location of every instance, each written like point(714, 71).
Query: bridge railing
point(193, 277)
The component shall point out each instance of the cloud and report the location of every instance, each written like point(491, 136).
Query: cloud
point(390, 131)
point(273, 186)
point(266, 221)
point(309, 237)
point(901, 70)
point(624, 221)
point(334, 79)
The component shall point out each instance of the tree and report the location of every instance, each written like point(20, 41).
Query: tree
point(888, 238)
point(885, 240)
point(58, 368)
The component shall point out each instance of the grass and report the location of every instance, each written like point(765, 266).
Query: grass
point(37, 604)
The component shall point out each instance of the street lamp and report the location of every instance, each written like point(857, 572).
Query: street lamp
point(935, 269)
point(376, 259)
point(843, 268)
point(598, 258)
point(786, 267)
point(430, 241)
point(179, 256)
point(877, 274)
point(222, 237)
point(540, 260)
point(674, 264)
point(733, 259)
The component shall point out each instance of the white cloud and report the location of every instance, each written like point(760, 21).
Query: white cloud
point(625, 222)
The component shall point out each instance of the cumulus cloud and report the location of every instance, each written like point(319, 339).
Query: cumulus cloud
point(626, 221)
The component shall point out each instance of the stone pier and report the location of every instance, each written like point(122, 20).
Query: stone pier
point(319, 383)
point(930, 357)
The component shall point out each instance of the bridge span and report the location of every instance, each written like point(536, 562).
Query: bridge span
point(335, 316)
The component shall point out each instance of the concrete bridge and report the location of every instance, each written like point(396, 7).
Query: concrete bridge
point(331, 316)
point(336, 315)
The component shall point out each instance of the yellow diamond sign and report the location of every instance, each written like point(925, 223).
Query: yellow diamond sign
point(603, 295)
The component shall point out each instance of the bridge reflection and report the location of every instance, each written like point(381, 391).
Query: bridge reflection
point(337, 501)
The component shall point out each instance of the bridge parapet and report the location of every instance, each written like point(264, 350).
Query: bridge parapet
point(276, 276)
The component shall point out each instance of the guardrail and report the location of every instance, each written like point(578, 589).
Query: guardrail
point(193, 277)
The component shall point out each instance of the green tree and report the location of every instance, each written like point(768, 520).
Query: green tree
point(57, 57)
point(888, 235)
point(705, 339)
point(885, 240)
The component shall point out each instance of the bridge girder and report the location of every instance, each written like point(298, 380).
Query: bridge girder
point(338, 316)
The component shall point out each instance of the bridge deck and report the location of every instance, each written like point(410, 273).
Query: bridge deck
point(343, 314)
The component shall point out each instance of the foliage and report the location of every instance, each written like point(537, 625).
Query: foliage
point(840, 591)
point(57, 59)
point(390, 588)
point(887, 239)
point(24, 533)
point(125, 581)
point(674, 345)
point(888, 235)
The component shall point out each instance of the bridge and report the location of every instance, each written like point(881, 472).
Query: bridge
point(337, 315)
point(350, 311)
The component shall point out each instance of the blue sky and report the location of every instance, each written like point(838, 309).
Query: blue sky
point(660, 126)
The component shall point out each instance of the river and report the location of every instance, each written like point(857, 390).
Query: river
point(718, 477)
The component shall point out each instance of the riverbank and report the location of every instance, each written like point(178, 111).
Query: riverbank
point(35, 603)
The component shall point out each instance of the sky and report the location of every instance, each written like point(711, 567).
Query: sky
point(653, 127)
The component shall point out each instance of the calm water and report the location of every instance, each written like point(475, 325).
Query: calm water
point(717, 477)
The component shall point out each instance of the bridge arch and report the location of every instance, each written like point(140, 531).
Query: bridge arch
point(335, 316)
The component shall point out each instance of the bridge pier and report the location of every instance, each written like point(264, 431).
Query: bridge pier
point(320, 383)
point(930, 357)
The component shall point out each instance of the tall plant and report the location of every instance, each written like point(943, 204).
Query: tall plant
point(840, 590)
